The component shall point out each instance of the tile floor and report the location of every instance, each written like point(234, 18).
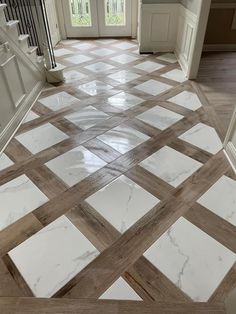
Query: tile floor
point(116, 186)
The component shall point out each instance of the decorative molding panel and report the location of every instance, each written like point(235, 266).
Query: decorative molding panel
point(186, 35)
point(158, 31)
point(13, 81)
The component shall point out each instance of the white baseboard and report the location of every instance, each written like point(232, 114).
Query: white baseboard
point(220, 47)
point(230, 151)
point(12, 127)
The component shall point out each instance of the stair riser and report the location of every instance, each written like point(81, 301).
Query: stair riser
point(13, 33)
point(24, 45)
point(33, 56)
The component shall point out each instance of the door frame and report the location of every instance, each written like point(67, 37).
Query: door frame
point(61, 18)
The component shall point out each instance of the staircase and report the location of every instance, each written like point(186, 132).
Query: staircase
point(22, 75)
point(11, 28)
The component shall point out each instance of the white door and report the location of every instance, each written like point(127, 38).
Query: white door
point(98, 18)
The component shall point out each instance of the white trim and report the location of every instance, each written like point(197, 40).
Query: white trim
point(230, 152)
point(220, 47)
point(229, 146)
point(12, 127)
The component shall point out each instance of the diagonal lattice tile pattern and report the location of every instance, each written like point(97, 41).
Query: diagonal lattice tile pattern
point(116, 187)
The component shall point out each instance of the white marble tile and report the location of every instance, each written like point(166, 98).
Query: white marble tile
point(30, 117)
point(221, 199)
point(124, 101)
point(84, 46)
point(94, 88)
point(41, 138)
point(75, 165)
point(123, 139)
point(149, 66)
point(5, 162)
point(168, 57)
point(122, 203)
point(125, 45)
point(171, 166)
point(204, 137)
point(160, 117)
point(175, 75)
point(18, 198)
point(78, 59)
point(52, 257)
point(102, 52)
point(87, 117)
point(69, 42)
point(187, 100)
point(99, 67)
point(124, 76)
point(124, 59)
point(62, 52)
point(191, 259)
point(153, 87)
point(106, 41)
point(71, 76)
point(120, 290)
point(58, 101)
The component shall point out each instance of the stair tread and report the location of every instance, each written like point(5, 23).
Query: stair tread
point(32, 49)
point(3, 6)
point(23, 37)
point(12, 23)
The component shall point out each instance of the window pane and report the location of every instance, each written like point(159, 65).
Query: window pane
point(115, 12)
point(81, 13)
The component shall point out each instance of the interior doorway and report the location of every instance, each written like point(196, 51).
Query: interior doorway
point(98, 18)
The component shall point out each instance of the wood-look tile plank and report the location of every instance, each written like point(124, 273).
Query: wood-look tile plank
point(215, 226)
point(63, 306)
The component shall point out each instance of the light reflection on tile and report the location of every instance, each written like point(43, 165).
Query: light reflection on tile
point(18, 198)
point(221, 199)
point(71, 76)
point(94, 88)
point(58, 101)
point(125, 45)
point(84, 46)
point(198, 275)
point(75, 165)
point(204, 137)
point(123, 139)
point(48, 259)
point(124, 76)
point(160, 117)
point(122, 202)
point(171, 166)
point(124, 101)
point(87, 117)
